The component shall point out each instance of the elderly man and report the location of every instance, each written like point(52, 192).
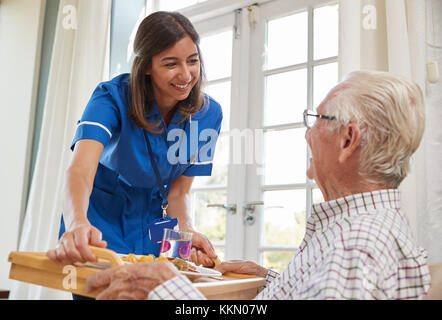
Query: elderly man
point(358, 243)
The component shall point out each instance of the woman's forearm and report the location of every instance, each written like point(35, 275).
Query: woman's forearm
point(179, 207)
point(75, 199)
point(79, 181)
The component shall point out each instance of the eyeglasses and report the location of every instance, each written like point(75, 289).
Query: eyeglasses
point(310, 118)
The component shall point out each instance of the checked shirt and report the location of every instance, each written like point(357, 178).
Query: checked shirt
point(356, 247)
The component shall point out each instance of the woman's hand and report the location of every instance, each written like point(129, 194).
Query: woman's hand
point(74, 244)
point(202, 252)
point(242, 266)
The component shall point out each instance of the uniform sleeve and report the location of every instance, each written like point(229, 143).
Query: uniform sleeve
point(100, 119)
point(204, 165)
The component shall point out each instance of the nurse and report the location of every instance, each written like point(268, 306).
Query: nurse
point(142, 139)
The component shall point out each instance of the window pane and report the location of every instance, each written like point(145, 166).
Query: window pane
point(325, 32)
point(325, 77)
point(317, 196)
point(210, 221)
point(287, 40)
point(285, 156)
point(284, 217)
point(172, 5)
point(220, 164)
point(286, 97)
point(277, 260)
point(216, 51)
point(126, 17)
point(221, 253)
point(221, 93)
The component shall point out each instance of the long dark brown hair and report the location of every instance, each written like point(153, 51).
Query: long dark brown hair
point(156, 33)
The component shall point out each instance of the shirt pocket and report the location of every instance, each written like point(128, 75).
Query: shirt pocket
point(108, 205)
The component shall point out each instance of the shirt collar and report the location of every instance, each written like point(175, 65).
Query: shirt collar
point(326, 213)
point(155, 114)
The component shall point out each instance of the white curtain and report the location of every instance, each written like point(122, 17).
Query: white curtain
point(78, 64)
point(430, 217)
point(390, 35)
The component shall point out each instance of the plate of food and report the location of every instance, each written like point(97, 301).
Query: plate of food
point(186, 268)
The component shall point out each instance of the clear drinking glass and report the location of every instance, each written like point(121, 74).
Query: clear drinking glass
point(176, 244)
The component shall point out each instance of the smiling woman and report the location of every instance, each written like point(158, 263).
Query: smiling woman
point(121, 190)
point(166, 49)
point(174, 72)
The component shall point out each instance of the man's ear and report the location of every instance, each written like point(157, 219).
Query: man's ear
point(350, 139)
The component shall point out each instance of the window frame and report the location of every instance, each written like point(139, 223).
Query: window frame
point(248, 77)
point(254, 246)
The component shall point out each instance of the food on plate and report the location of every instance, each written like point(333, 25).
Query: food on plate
point(187, 268)
point(132, 258)
point(180, 264)
point(161, 259)
point(177, 262)
point(149, 258)
point(183, 265)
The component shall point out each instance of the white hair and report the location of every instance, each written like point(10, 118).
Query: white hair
point(390, 113)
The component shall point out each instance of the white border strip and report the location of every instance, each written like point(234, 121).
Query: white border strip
point(95, 124)
point(201, 163)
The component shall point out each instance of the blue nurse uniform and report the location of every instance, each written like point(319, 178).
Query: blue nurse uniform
point(125, 196)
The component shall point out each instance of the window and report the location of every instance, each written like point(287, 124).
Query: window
point(296, 64)
point(210, 193)
point(264, 73)
point(173, 5)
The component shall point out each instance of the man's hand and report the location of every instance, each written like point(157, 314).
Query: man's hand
point(131, 281)
point(242, 266)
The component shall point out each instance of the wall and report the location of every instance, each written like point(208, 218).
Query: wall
point(20, 37)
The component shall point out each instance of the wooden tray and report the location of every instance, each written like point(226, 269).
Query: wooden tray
point(37, 268)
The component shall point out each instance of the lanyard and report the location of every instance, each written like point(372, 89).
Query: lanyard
point(163, 188)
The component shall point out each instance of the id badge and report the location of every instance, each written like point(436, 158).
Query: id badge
point(156, 228)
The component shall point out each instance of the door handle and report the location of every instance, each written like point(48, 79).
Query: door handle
point(249, 208)
point(229, 207)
